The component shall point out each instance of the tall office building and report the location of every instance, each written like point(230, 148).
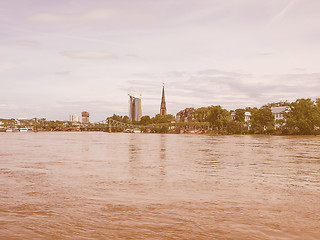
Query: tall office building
point(85, 117)
point(134, 108)
point(163, 108)
point(73, 118)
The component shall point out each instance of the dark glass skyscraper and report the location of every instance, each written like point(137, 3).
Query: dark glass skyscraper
point(134, 108)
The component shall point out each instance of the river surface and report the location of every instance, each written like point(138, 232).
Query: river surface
point(61, 185)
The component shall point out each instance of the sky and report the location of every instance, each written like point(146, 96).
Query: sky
point(63, 57)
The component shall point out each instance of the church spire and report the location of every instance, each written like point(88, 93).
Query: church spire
point(163, 108)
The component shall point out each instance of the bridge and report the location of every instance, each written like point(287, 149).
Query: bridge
point(106, 125)
point(110, 123)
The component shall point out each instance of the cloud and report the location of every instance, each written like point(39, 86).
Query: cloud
point(132, 55)
point(28, 43)
point(94, 15)
point(280, 15)
point(146, 75)
point(264, 54)
point(176, 74)
point(299, 69)
point(88, 55)
point(64, 73)
point(7, 66)
point(234, 90)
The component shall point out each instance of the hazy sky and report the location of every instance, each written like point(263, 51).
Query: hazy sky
point(66, 56)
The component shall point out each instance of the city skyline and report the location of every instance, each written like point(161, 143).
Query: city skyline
point(61, 58)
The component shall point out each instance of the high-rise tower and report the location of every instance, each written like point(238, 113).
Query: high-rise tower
point(134, 108)
point(163, 108)
point(85, 117)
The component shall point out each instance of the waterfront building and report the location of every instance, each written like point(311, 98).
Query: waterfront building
point(163, 108)
point(73, 118)
point(186, 115)
point(247, 116)
point(85, 117)
point(278, 113)
point(135, 108)
point(233, 115)
point(2, 129)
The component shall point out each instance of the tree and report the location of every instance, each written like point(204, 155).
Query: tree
point(262, 120)
point(239, 115)
point(201, 114)
point(303, 117)
point(126, 119)
point(278, 104)
point(234, 127)
point(218, 117)
point(145, 120)
point(162, 119)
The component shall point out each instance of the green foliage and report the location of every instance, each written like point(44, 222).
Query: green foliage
point(262, 120)
point(124, 119)
point(303, 117)
point(218, 117)
point(145, 120)
point(201, 114)
point(240, 114)
point(234, 127)
point(278, 104)
point(164, 129)
point(162, 119)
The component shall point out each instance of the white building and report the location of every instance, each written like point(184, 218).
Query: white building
point(247, 116)
point(73, 118)
point(233, 115)
point(278, 113)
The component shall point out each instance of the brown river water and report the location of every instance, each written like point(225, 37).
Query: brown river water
point(60, 185)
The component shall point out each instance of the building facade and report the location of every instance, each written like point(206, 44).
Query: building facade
point(186, 115)
point(278, 113)
point(247, 116)
point(73, 118)
point(85, 117)
point(134, 108)
point(163, 107)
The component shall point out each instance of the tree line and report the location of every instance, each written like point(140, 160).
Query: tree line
point(301, 118)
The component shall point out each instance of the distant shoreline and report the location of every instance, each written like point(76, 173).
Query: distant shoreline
point(168, 133)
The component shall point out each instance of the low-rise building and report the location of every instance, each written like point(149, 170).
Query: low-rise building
point(247, 116)
point(1, 126)
point(233, 115)
point(186, 115)
point(278, 113)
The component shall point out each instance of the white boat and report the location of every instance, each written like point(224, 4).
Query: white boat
point(9, 130)
point(23, 129)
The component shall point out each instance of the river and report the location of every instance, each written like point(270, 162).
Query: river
point(94, 185)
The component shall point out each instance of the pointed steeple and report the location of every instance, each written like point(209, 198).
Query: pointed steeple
point(163, 108)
